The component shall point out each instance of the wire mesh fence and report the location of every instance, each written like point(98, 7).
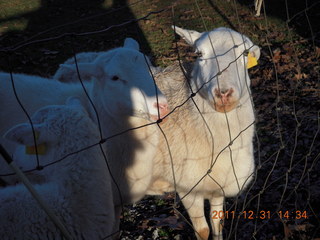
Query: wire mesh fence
point(281, 201)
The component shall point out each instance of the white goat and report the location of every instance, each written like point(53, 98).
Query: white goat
point(132, 150)
point(209, 137)
point(118, 73)
point(78, 189)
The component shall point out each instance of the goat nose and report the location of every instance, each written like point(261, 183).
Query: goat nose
point(163, 109)
point(224, 91)
point(223, 94)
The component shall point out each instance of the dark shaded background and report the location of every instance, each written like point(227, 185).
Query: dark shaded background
point(58, 17)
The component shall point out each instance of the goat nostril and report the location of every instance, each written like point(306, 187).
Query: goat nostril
point(217, 93)
point(223, 92)
point(229, 92)
point(161, 106)
point(164, 107)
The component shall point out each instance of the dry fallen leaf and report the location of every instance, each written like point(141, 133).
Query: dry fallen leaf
point(299, 76)
point(302, 227)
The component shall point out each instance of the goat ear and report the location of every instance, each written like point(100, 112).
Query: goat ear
point(85, 69)
point(22, 133)
point(255, 51)
point(190, 36)
point(131, 43)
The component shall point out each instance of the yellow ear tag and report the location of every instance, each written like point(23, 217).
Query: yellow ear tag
point(31, 150)
point(252, 61)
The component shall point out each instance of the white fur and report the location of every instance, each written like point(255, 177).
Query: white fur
point(70, 75)
point(207, 166)
point(77, 189)
point(257, 7)
point(118, 73)
point(64, 74)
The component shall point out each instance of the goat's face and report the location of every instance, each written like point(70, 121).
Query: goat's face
point(124, 85)
point(220, 73)
point(129, 87)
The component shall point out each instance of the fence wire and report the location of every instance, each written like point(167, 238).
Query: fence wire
point(282, 200)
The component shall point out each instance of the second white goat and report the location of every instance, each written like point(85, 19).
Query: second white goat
point(118, 73)
point(210, 137)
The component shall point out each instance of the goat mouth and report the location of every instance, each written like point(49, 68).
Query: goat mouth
point(224, 108)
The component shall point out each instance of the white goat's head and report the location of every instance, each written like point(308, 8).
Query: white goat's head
point(58, 129)
point(123, 73)
point(220, 72)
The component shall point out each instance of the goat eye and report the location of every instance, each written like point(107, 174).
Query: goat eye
point(199, 54)
point(115, 78)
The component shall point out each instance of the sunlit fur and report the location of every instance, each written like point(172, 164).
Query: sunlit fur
point(211, 150)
